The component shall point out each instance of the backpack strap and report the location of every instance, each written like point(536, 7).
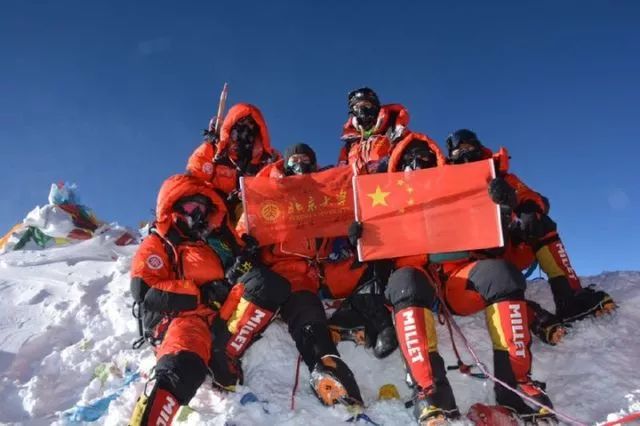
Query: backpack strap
point(169, 247)
point(137, 309)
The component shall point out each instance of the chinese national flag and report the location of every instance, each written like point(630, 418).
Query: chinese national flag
point(315, 205)
point(435, 210)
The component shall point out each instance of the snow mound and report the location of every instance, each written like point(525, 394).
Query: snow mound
point(66, 331)
point(62, 222)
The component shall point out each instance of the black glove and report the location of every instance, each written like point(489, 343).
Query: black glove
point(210, 136)
point(233, 198)
point(530, 206)
point(530, 225)
point(354, 233)
point(245, 261)
point(251, 245)
point(214, 293)
point(241, 266)
point(502, 193)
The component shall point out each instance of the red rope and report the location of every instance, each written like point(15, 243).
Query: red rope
point(444, 319)
point(295, 383)
point(433, 275)
point(625, 419)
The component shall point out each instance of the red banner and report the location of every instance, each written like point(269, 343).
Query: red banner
point(316, 205)
point(438, 210)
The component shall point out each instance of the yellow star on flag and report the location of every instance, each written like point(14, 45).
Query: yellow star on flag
point(378, 197)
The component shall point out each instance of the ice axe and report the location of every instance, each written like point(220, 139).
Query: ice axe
point(213, 132)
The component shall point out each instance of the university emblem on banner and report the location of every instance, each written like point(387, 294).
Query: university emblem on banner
point(270, 211)
point(314, 205)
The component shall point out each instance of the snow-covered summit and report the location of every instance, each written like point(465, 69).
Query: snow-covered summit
point(66, 331)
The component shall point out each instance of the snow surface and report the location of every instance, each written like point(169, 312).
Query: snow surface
point(66, 331)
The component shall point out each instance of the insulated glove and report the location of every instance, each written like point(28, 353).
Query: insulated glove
point(354, 233)
point(502, 193)
point(245, 261)
point(530, 225)
point(214, 293)
point(233, 197)
point(210, 137)
point(241, 266)
point(251, 245)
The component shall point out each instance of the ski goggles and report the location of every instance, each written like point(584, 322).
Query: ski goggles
point(364, 108)
point(191, 207)
point(194, 206)
point(465, 152)
point(298, 159)
point(416, 161)
point(462, 143)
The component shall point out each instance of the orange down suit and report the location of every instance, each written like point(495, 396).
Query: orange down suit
point(547, 249)
point(307, 263)
point(367, 150)
point(167, 273)
point(214, 163)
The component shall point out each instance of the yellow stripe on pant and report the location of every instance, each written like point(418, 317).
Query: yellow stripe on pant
point(494, 324)
point(548, 263)
point(430, 327)
point(237, 315)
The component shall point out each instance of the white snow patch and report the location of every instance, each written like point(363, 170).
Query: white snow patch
point(66, 331)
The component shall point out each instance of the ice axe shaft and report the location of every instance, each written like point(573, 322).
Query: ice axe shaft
point(221, 107)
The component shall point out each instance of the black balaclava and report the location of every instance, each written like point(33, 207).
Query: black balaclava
point(458, 155)
point(366, 115)
point(299, 168)
point(243, 136)
point(416, 156)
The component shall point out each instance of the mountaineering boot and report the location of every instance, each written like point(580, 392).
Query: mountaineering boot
point(347, 325)
point(433, 398)
point(365, 320)
point(436, 403)
point(159, 408)
point(369, 301)
point(573, 302)
point(525, 409)
point(333, 382)
point(508, 325)
point(585, 302)
point(548, 327)
point(534, 413)
point(386, 342)
point(347, 334)
point(176, 380)
point(226, 369)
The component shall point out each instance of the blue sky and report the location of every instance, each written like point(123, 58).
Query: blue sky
point(113, 95)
